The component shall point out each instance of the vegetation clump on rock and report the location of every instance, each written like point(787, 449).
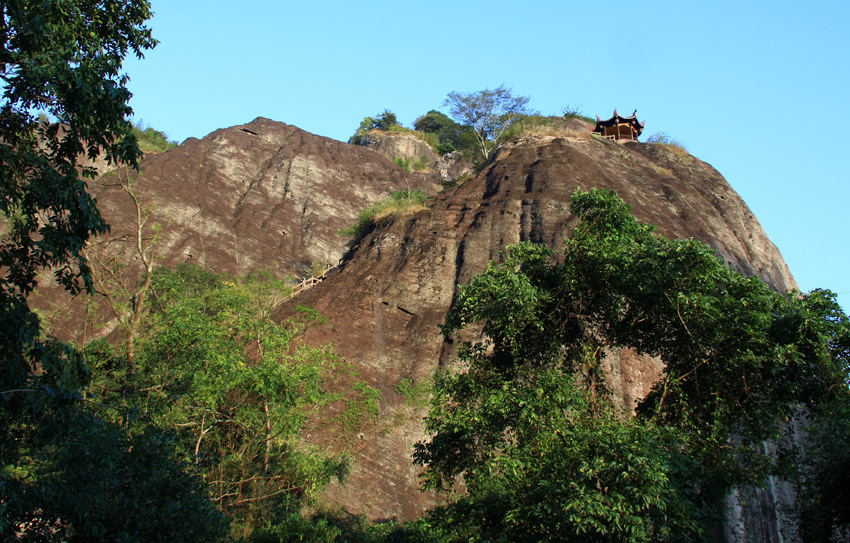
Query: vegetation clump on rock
point(399, 201)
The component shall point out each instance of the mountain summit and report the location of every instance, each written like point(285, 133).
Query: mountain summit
point(269, 196)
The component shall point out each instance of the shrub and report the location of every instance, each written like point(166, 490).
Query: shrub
point(385, 120)
point(665, 139)
point(449, 183)
point(152, 141)
point(419, 164)
point(397, 202)
point(541, 125)
point(382, 121)
point(431, 139)
point(398, 161)
point(412, 164)
point(574, 112)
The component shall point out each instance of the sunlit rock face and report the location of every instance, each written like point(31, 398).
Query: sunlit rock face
point(264, 195)
point(260, 196)
point(401, 145)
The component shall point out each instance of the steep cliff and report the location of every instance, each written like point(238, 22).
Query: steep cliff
point(385, 302)
point(260, 196)
point(264, 195)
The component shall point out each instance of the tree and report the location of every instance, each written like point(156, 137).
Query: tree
point(64, 102)
point(450, 135)
point(233, 385)
point(488, 112)
point(95, 481)
point(740, 360)
point(123, 290)
point(382, 121)
point(62, 58)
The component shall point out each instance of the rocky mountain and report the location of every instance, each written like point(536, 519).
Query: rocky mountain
point(260, 196)
point(384, 303)
point(270, 196)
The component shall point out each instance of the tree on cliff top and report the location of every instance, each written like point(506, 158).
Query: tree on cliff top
point(489, 112)
point(382, 121)
point(451, 136)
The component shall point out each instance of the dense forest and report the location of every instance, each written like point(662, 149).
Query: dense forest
point(187, 422)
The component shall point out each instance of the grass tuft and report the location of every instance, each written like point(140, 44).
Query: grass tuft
point(674, 145)
point(398, 202)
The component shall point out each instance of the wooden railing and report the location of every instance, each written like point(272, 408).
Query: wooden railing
point(309, 282)
point(625, 137)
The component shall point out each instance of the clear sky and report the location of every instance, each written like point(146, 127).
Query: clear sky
point(757, 89)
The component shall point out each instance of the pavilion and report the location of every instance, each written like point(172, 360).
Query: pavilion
point(619, 128)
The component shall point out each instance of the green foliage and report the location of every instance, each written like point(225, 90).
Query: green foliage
point(63, 59)
point(317, 268)
point(456, 181)
point(740, 361)
point(387, 122)
point(398, 161)
point(233, 385)
point(450, 135)
point(382, 121)
point(488, 112)
point(430, 139)
point(574, 112)
point(398, 201)
point(818, 463)
point(553, 463)
point(524, 124)
point(419, 164)
point(535, 124)
point(415, 394)
point(152, 141)
point(361, 408)
point(411, 165)
point(77, 467)
point(109, 485)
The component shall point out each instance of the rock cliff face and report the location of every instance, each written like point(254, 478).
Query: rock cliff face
point(264, 195)
point(261, 196)
point(400, 145)
point(385, 302)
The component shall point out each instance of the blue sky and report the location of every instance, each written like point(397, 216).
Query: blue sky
point(757, 89)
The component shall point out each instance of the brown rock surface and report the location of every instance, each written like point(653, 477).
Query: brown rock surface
point(404, 146)
point(260, 196)
point(385, 302)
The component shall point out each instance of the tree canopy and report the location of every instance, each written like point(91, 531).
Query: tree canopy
point(63, 59)
point(65, 104)
point(527, 423)
point(383, 121)
point(233, 386)
point(451, 136)
point(489, 112)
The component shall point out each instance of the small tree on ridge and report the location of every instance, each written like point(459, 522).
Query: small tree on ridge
point(488, 112)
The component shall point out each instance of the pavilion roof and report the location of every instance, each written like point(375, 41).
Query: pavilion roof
point(619, 119)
